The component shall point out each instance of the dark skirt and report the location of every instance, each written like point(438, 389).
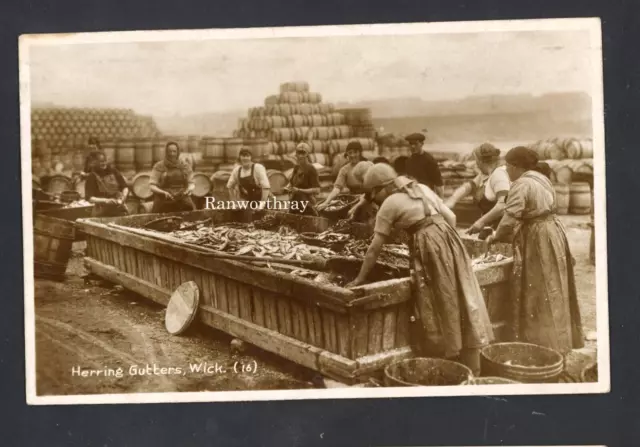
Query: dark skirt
point(451, 314)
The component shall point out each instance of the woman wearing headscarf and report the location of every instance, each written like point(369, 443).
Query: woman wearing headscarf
point(346, 177)
point(545, 303)
point(249, 181)
point(450, 318)
point(105, 187)
point(489, 188)
point(172, 182)
point(304, 183)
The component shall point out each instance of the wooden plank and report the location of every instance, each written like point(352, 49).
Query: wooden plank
point(316, 316)
point(343, 335)
point(389, 327)
point(359, 325)
point(158, 294)
point(221, 293)
point(311, 327)
point(375, 332)
point(329, 330)
point(377, 362)
point(270, 311)
point(294, 350)
point(284, 316)
point(244, 301)
point(337, 366)
point(232, 298)
point(258, 307)
point(213, 290)
point(157, 271)
point(332, 297)
point(298, 324)
point(205, 289)
point(389, 293)
point(402, 325)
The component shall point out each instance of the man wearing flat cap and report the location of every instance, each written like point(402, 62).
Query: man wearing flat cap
point(422, 166)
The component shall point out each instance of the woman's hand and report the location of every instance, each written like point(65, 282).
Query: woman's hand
point(355, 283)
point(293, 189)
point(490, 240)
point(476, 227)
point(322, 206)
point(352, 212)
point(167, 195)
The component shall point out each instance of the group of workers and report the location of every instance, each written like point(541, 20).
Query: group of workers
point(450, 319)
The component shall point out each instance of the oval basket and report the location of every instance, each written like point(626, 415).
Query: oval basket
point(523, 362)
point(342, 211)
point(426, 372)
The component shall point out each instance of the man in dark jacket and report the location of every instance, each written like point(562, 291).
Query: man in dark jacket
point(422, 166)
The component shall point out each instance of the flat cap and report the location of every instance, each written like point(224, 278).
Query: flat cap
point(415, 137)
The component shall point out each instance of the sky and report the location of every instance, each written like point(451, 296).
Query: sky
point(190, 77)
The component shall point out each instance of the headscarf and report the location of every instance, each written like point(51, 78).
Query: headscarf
point(305, 148)
point(544, 169)
point(522, 157)
point(360, 170)
point(486, 153)
point(167, 164)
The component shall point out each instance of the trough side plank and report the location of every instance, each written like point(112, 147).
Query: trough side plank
point(389, 328)
point(342, 329)
point(244, 295)
point(402, 324)
point(329, 329)
point(359, 325)
point(258, 307)
point(375, 332)
point(284, 315)
point(270, 311)
point(232, 298)
point(221, 293)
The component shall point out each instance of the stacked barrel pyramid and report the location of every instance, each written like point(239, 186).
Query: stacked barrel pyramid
point(297, 114)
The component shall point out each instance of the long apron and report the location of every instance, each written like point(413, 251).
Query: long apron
point(449, 310)
point(298, 197)
point(175, 183)
point(249, 189)
point(545, 303)
point(109, 189)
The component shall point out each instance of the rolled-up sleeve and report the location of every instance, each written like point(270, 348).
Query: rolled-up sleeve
point(514, 211)
point(499, 181)
point(385, 218)
point(233, 178)
point(261, 177)
point(155, 178)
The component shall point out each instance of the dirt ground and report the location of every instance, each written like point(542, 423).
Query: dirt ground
point(93, 326)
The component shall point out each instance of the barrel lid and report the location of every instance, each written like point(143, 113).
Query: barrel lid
point(140, 185)
point(202, 183)
point(182, 308)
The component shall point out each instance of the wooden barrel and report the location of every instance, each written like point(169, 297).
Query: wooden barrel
point(276, 121)
point(59, 183)
point(337, 119)
point(52, 241)
point(323, 133)
point(587, 148)
point(315, 98)
point(232, 148)
point(216, 150)
point(319, 158)
point(290, 98)
point(109, 149)
point(340, 145)
point(140, 186)
point(564, 173)
point(144, 154)
point(277, 180)
point(580, 198)
point(294, 86)
point(257, 147)
point(125, 155)
point(271, 148)
point(573, 148)
point(295, 121)
point(368, 144)
point(192, 144)
point(562, 198)
point(522, 362)
point(219, 181)
point(158, 148)
point(202, 184)
point(283, 110)
point(318, 146)
point(316, 120)
point(286, 147)
point(305, 109)
point(301, 133)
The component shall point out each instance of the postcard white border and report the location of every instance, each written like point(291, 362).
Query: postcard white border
point(587, 24)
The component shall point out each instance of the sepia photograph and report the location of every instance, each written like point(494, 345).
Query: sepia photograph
point(351, 211)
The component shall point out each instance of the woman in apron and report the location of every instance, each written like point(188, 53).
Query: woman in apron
point(545, 304)
point(106, 188)
point(489, 189)
point(172, 182)
point(249, 181)
point(450, 318)
point(304, 184)
point(347, 178)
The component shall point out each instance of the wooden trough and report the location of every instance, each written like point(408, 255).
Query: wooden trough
point(345, 334)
